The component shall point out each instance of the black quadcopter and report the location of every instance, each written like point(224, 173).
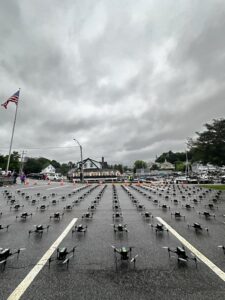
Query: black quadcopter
point(6, 253)
point(207, 214)
point(43, 207)
point(120, 228)
point(62, 256)
point(181, 254)
point(87, 215)
point(39, 229)
point(24, 215)
point(117, 215)
point(198, 227)
point(4, 227)
point(125, 254)
point(56, 216)
point(177, 215)
point(16, 207)
point(80, 228)
point(146, 215)
point(159, 227)
point(68, 207)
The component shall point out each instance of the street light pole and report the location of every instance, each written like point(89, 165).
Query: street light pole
point(81, 158)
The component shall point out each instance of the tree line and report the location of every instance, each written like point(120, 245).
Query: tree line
point(207, 147)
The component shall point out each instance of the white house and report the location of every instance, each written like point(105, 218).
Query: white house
point(48, 169)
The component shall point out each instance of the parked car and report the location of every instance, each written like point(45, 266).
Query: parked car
point(54, 177)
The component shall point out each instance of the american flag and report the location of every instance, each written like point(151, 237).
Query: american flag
point(14, 98)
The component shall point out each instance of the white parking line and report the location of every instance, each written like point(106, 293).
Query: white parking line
point(32, 187)
point(57, 187)
point(22, 287)
point(197, 253)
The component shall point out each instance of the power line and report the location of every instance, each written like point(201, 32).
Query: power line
point(43, 148)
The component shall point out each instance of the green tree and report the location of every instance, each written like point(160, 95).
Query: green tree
point(139, 164)
point(32, 165)
point(209, 147)
point(55, 164)
point(64, 169)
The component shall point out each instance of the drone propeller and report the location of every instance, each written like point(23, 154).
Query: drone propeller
point(66, 261)
point(182, 259)
point(221, 246)
point(134, 258)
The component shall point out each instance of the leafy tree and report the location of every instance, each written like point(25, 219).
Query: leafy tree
point(64, 169)
point(154, 167)
point(172, 157)
point(180, 166)
point(55, 164)
point(33, 165)
point(139, 164)
point(209, 147)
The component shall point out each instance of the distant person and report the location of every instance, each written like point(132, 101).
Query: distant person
point(23, 178)
point(15, 175)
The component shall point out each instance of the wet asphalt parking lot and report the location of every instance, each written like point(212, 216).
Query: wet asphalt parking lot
point(93, 272)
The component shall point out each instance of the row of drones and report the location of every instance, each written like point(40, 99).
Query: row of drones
point(37, 198)
point(63, 255)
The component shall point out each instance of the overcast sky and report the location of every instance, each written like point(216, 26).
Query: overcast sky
point(128, 79)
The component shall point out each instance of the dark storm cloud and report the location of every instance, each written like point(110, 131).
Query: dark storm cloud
point(128, 79)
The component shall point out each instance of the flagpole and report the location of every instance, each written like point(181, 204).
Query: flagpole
point(10, 147)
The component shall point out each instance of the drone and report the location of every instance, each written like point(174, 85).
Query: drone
point(211, 206)
point(188, 206)
point(54, 202)
point(116, 207)
point(125, 254)
point(117, 215)
point(206, 214)
point(16, 207)
point(159, 227)
point(6, 253)
point(92, 207)
point(175, 201)
point(197, 227)
point(177, 215)
point(43, 207)
point(4, 227)
point(24, 215)
point(181, 254)
point(195, 201)
point(68, 207)
point(12, 201)
point(120, 228)
point(164, 206)
point(62, 256)
point(80, 228)
point(147, 215)
point(155, 201)
point(39, 229)
point(87, 215)
point(56, 216)
point(140, 207)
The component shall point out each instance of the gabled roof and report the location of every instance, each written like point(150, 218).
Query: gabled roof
point(91, 160)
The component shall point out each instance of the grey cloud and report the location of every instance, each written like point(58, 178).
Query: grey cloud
point(128, 79)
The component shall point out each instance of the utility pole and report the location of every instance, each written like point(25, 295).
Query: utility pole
point(81, 158)
point(22, 162)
